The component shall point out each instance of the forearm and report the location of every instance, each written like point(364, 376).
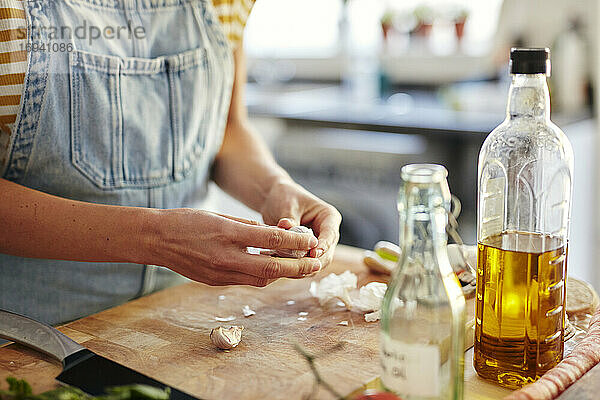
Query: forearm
point(245, 167)
point(38, 225)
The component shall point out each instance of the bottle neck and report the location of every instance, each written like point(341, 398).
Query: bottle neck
point(528, 97)
point(423, 234)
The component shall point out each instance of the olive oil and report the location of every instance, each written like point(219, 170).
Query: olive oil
point(520, 307)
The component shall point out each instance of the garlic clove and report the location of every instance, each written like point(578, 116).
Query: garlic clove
point(226, 338)
point(287, 253)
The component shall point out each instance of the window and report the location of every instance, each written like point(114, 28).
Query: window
point(316, 28)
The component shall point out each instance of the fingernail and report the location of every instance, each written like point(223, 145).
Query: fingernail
point(313, 242)
point(319, 253)
point(317, 267)
point(283, 221)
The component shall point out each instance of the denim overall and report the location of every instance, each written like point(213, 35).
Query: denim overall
point(135, 120)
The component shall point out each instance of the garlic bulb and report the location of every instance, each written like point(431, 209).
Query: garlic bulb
point(286, 253)
point(226, 338)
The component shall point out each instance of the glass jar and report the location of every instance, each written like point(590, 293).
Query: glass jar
point(423, 311)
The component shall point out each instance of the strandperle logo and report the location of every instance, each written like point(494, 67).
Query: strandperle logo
point(84, 31)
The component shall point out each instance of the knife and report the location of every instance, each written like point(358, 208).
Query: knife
point(82, 368)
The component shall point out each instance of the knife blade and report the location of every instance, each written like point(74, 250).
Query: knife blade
point(82, 368)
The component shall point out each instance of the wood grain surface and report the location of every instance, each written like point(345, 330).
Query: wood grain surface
point(166, 336)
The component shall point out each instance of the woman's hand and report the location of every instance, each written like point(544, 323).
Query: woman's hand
point(211, 248)
point(246, 169)
point(287, 204)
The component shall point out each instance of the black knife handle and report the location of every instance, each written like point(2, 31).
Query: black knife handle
point(37, 335)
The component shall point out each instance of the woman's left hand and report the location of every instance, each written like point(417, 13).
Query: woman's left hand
point(287, 204)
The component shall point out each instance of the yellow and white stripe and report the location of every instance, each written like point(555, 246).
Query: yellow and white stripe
point(13, 65)
point(233, 15)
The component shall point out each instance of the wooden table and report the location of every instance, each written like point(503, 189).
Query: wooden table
point(166, 336)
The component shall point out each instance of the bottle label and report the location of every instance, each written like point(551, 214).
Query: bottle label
point(410, 369)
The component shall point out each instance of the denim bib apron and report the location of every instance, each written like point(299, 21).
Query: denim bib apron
point(133, 120)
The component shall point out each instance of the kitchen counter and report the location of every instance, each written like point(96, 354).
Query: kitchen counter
point(165, 335)
point(412, 111)
point(331, 106)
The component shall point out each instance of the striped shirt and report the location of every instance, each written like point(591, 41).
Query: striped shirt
point(13, 57)
point(13, 65)
point(233, 15)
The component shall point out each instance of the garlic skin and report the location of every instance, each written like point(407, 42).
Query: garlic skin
point(226, 338)
point(286, 253)
point(373, 317)
point(248, 312)
point(334, 288)
point(370, 297)
point(225, 319)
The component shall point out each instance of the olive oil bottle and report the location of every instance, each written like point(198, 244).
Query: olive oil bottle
point(524, 202)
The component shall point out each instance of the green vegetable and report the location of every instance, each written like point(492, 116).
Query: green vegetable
point(19, 389)
point(137, 392)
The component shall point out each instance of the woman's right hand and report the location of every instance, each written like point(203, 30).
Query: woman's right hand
point(211, 248)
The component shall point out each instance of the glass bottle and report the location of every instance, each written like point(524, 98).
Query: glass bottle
point(524, 202)
point(423, 311)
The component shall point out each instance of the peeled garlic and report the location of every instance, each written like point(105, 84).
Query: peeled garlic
point(226, 338)
point(286, 253)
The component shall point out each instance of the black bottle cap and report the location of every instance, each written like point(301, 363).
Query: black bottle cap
point(530, 61)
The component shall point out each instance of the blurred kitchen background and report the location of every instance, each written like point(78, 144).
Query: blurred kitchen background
point(347, 92)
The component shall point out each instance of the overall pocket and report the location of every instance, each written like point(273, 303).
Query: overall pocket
point(137, 122)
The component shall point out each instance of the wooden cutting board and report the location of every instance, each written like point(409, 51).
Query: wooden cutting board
point(166, 336)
